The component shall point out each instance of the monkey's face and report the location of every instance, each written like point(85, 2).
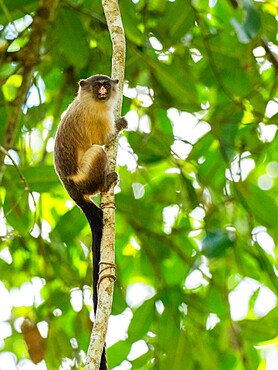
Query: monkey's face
point(100, 87)
point(102, 90)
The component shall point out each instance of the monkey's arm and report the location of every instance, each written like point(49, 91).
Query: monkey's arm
point(120, 125)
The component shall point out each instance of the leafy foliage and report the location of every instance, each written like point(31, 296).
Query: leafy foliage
point(197, 201)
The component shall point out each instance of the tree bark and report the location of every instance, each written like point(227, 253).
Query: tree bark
point(107, 257)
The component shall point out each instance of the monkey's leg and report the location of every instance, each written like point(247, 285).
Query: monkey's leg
point(92, 175)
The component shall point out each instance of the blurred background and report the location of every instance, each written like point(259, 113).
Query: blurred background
point(196, 219)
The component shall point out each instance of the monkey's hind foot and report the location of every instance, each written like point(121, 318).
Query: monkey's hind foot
point(111, 178)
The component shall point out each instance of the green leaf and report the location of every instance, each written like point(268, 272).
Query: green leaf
point(216, 242)
point(143, 362)
point(147, 148)
point(179, 86)
point(72, 38)
point(273, 120)
point(162, 125)
point(39, 178)
point(141, 321)
point(7, 69)
point(177, 20)
point(15, 9)
point(11, 4)
point(251, 25)
point(178, 354)
point(16, 211)
point(211, 171)
point(262, 329)
point(261, 205)
point(118, 353)
point(216, 302)
point(131, 20)
point(241, 34)
point(64, 226)
point(3, 119)
point(155, 146)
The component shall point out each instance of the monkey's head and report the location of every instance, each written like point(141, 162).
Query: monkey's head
point(100, 88)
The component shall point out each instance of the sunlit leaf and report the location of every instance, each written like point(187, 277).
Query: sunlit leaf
point(261, 205)
point(122, 348)
point(262, 329)
point(73, 38)
point(64, 228)
point(141, 321)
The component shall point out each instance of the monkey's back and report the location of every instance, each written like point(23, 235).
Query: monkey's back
point(84, 124)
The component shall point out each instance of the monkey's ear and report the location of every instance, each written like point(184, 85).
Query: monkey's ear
point(82, 83)
point(116, 81)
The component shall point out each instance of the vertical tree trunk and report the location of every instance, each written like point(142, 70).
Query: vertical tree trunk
point(107, 256)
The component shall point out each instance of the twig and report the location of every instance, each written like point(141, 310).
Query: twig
point(107, 255)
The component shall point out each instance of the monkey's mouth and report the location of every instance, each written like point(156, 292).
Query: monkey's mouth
point(102, 96)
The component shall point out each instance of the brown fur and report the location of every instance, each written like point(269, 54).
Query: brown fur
point(87, 124)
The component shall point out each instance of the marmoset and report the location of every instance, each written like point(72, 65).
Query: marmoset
point(80, 159)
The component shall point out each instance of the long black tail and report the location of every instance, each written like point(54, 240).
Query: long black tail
point(94, 217)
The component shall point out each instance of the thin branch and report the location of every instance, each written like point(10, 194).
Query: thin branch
point(107, 254)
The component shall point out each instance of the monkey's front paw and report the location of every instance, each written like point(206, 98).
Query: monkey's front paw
point(121, 124)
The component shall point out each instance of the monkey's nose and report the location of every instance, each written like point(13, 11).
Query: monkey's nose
point(102, 90)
